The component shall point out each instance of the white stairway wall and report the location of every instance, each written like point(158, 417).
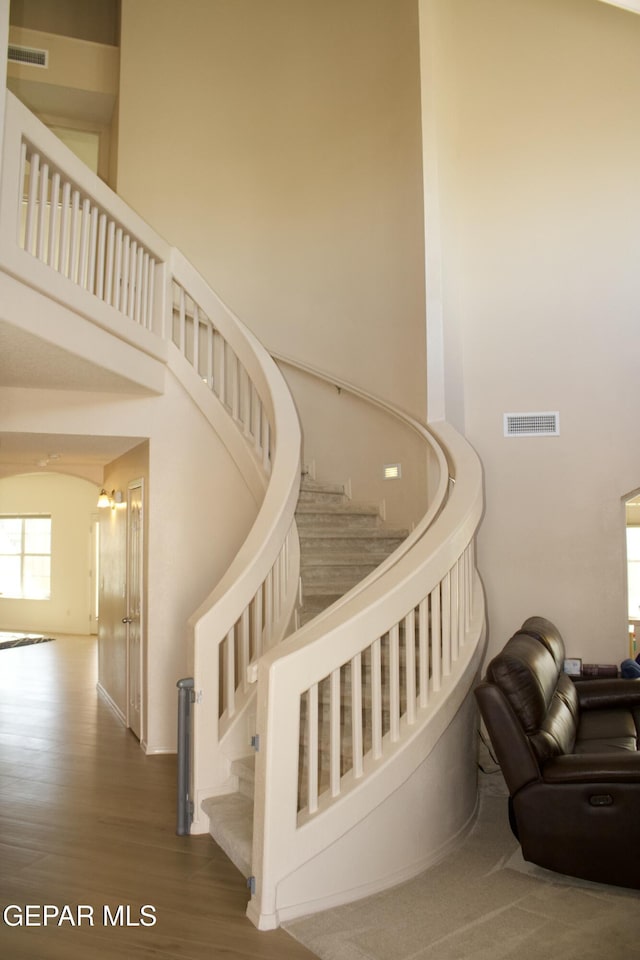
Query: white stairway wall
point(200, 510)
point(412, 829)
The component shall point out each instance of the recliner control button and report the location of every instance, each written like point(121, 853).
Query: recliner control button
point(601, 800)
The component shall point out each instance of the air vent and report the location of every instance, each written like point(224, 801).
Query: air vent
point(532, 424)
point(28, 55)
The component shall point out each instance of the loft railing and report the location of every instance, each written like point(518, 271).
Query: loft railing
point(67, 235)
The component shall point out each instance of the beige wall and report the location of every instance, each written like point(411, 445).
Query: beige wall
point(199, 513)
point(278, 145)
point(539, 149)
point(71, 503)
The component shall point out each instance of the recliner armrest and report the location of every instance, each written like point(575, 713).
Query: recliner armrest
point(620, 767)
point(610, 694)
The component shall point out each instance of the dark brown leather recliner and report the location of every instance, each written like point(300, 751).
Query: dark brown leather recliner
point(569, 755)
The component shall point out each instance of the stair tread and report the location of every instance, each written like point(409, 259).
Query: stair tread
point(231, 826)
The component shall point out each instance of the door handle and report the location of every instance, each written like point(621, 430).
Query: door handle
point(127, 619)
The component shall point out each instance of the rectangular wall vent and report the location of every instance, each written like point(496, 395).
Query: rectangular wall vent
point(28, 55)
point(532, 424)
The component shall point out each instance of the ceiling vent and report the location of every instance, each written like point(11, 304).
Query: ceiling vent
point(29, 55)
point(532, 424)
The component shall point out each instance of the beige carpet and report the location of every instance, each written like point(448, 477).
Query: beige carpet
point(482, 903)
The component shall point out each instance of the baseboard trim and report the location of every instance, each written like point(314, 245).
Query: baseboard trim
point(110, 702)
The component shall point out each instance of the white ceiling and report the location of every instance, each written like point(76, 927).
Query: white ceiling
point(28, 361)
point(62, 452)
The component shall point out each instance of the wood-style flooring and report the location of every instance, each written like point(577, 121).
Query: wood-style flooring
point(86, 819)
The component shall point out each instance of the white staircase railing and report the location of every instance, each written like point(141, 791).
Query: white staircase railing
point(409, 637)
point(65, 234)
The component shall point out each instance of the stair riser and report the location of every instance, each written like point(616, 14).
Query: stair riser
point(378, 547)
point(322, 497)
point(338, 525)
point(335, 579)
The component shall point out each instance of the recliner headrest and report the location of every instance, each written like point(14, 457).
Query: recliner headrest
point(548, 634)
point(527, 673)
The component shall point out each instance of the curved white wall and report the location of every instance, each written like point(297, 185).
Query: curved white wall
point(200, 510)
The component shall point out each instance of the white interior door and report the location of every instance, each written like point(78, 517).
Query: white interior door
point(134, 618)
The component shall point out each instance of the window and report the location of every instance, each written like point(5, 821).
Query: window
point(633, 571)
point(25, 557)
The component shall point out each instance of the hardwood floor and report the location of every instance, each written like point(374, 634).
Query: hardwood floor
point(87, 820)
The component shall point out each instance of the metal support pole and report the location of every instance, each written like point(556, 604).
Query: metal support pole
point(185, 804)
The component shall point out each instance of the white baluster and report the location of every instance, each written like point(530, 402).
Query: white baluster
point(101, 262)
point(117, 272)
point(445, 587)
point(235, 388)
point(152, 287)
point(334, 732)
point(394, 682)
point(22, 181)
point(312, 747)
point(145, 317)
point(230, 676)
point(126, 273)
point(93, 245)
point(65, 229)
point(266, 440)
point(356, 714)
point(455, 612)
point(246, 401)
point(220, 371)
point(133, 265)
point(83, 253)
point(41, 251)
point(72, 267)
point(244, 648)
point(423, 647)
point(138, 294)
point(436, 639)
point(54, 240)
point(209, 369)
point(257, 625)
point(34, 174)
point(268, 608)
point(256, 416)
point(410, 664)
point(196, 338)
point(376, 698)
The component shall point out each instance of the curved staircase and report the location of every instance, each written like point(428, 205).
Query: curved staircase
point(358, 702)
